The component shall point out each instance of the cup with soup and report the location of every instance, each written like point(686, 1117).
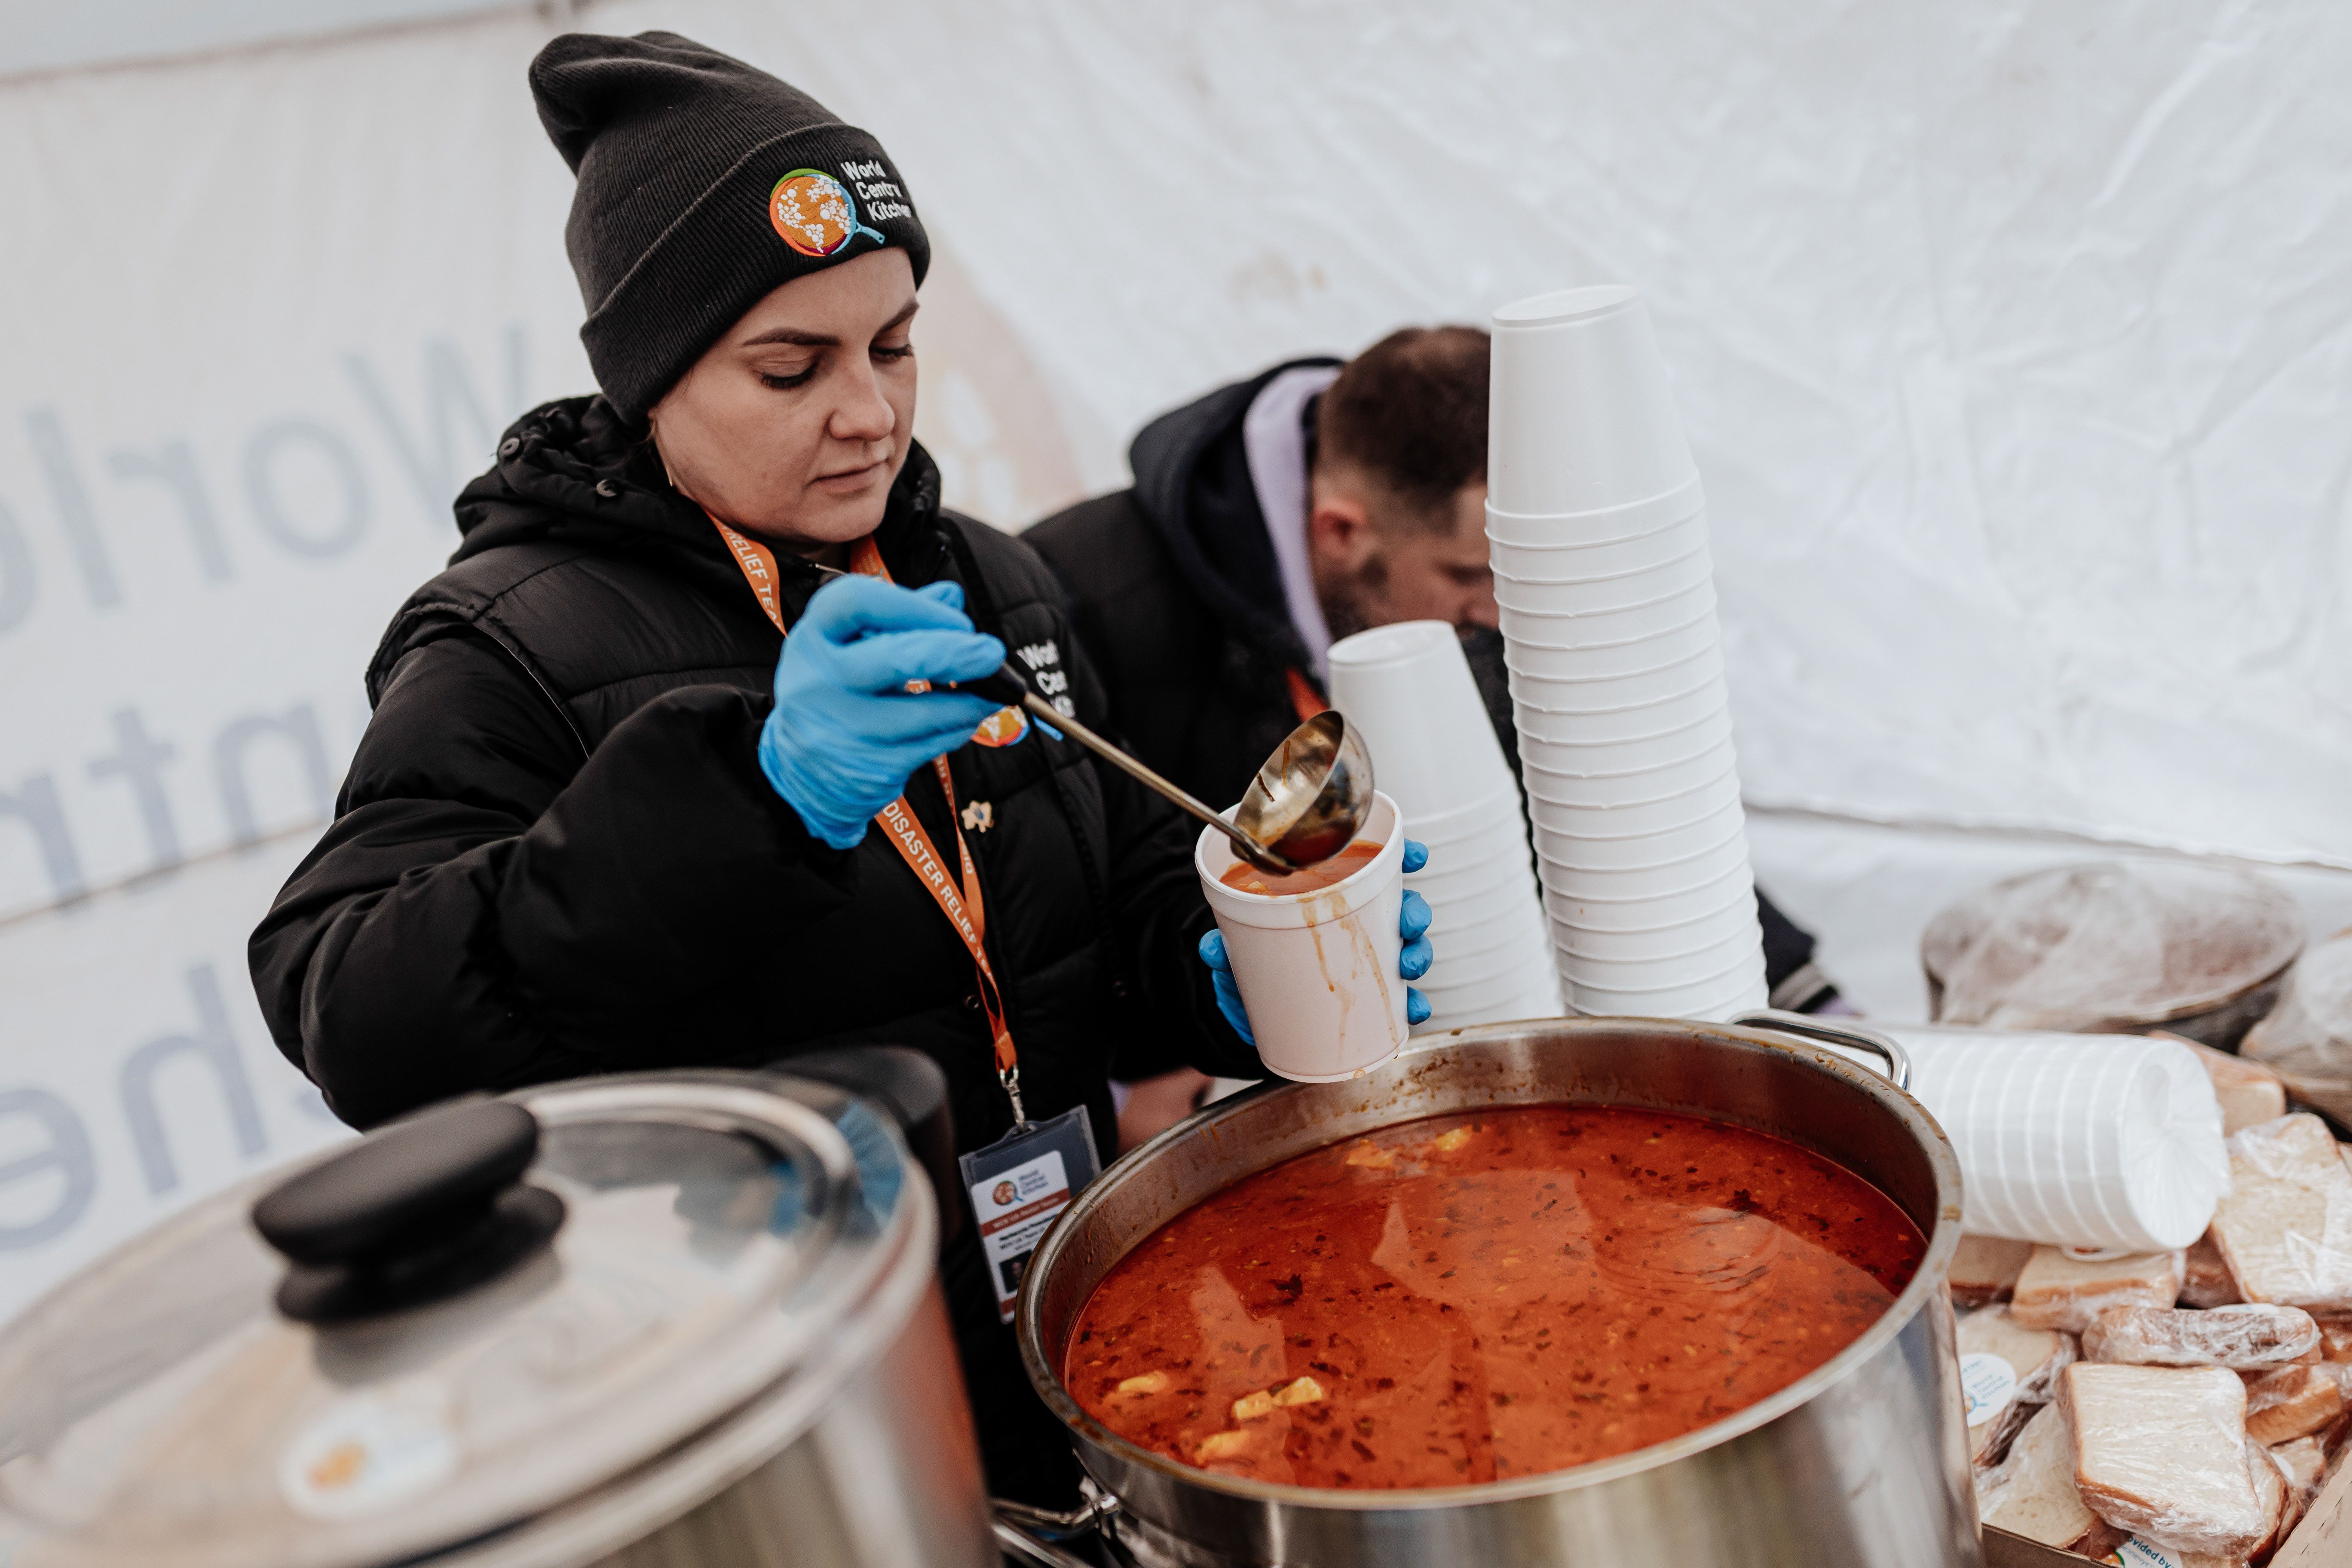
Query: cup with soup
point(1315, 951)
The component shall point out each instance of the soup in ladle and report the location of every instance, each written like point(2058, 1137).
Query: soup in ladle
point(1481, 1296)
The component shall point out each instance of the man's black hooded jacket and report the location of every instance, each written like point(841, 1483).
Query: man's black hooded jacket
point(555, 853)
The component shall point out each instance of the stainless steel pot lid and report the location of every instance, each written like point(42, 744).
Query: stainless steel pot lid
point(463, 1373)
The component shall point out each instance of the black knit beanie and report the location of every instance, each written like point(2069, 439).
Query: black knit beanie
point(703, 184)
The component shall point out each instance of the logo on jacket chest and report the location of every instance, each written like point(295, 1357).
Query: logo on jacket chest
point(1043, 660)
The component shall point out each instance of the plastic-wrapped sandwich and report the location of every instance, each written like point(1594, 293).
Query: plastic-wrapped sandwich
point(2285, 1226)
point(2032, 1493)
point(1985, 1270)
point(2058, 1291)
point(2161, 1452)
point(2006, 1370)
point(2293, 1402)
point(2243, 1339)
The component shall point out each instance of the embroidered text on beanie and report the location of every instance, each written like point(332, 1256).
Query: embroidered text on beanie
point(703, 184)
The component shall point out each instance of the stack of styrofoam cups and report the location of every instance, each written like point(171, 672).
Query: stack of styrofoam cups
point(1408, 692)
point(2106, 1140)
point(1598, 532)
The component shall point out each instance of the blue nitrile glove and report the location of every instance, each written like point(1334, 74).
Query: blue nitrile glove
point(845, 732)
point(1412, 924)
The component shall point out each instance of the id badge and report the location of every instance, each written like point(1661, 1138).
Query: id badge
point(1018, 1184)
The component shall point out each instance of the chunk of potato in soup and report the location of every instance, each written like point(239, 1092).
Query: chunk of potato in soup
point(1481, 1296)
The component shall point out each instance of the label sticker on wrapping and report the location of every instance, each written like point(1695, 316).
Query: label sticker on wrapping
point(2138, 1553)
point(1989, 1382)
point(368, 1452)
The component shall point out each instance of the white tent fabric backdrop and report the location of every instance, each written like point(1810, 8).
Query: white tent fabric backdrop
point(2011, 338)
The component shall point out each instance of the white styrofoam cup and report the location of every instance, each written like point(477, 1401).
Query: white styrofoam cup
point(1610, 591)
point(1595, 528)
point(1703, 966)
point(1606, 628)
point(1565, 743)
point(1686, 682)
point(1635, 649)
point(1407, 690)
point(1616, 907)
point(1568, 669)
point(1646, 786)
point(1483, 928)
point(1682, 939)
point(1318, 970)
point(1715, 841)
point(1577, 560)
point(1673, 811)
point(1739, 993)
point(1504, 872)
point(1740, 981)
point(1531, 991)
point(1472, 825)
point(1506, 959)
point(1581, 412)
point(1658, 719)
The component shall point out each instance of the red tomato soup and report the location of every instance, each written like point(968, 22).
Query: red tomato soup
point(1476, 1297)
point(1241, 874)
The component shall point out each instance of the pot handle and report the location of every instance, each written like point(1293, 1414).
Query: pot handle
point(1852, 1036)
point(1032, 1533)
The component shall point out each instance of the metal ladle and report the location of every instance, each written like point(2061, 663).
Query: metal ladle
point(1306, 804)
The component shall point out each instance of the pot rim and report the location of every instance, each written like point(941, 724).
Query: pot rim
point(1925, 1287)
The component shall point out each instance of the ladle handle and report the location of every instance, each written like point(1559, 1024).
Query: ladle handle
point(1251, 850)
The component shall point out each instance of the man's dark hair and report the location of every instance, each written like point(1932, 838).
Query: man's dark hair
point(1411, 411)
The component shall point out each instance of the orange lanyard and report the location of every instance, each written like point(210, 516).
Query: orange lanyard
point(1304, 699)
point(961, 906)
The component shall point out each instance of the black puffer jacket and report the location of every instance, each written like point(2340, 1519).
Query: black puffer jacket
point(555, 853)
point(1179, 600)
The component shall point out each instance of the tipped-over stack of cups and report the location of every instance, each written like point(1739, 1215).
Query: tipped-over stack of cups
point(1596, 528)
point(1407, 690)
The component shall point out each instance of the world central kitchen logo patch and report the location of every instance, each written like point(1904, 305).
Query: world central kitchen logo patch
point(815, 214)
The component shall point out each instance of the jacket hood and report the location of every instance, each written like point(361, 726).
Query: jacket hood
point(1192, 483)
point(574, 472)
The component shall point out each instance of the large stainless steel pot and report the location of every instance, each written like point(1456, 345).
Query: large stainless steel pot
point(1863, 1461)
point(733, 1352)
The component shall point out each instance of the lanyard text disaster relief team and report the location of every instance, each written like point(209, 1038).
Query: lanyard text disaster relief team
point(962, 906)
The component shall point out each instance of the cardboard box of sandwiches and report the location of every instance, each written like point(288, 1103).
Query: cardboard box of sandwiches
point(2190, 1409)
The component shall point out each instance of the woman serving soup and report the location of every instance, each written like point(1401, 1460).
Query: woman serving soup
point(608, 815)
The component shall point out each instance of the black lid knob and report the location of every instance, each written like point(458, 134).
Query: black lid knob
point(413, 1213)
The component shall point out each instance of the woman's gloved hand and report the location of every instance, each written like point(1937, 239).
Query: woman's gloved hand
point(845, 733)
point(1412, 924)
